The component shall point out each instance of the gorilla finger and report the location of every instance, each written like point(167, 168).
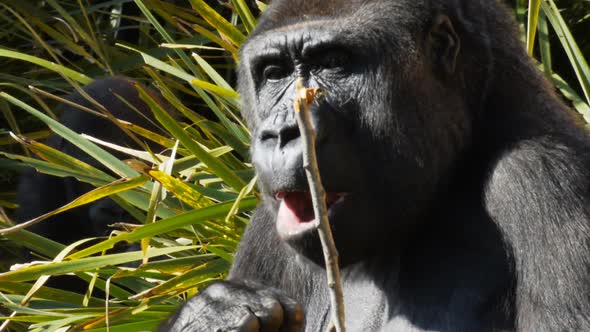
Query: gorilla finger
point(248, 323)
point(294, 321)
point(270, 314)
point(293, 313)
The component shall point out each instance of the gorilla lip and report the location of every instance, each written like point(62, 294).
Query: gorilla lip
point(296, 215)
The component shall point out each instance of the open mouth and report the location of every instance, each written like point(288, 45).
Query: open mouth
point(296, 215)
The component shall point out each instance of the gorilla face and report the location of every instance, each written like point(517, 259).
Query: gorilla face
point(392, 119)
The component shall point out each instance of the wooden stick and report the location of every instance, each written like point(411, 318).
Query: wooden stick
point(304, 98)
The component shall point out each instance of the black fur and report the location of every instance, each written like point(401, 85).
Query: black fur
point(467, 176)
point(40, 193)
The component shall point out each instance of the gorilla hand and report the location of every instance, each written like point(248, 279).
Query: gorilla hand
point(244, 306)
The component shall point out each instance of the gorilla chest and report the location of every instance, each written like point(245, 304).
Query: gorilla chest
point(366, 308)
point(369, 308)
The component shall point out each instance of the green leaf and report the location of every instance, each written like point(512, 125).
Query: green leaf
point(83, 144)
point(533, 18)
point(83, 264)
point(72, 74)
point(218, 22)
point(169, 224)
point(544, 44)
point(180, 189)
point(570, 46)
point(91, 196)
point(245, 14)
point(173, 127)
point(140, 326)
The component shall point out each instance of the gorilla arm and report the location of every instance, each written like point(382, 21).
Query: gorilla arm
point(243, 303)
point(537, 194)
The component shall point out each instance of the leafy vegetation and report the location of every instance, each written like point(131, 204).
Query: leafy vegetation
point(194, 200)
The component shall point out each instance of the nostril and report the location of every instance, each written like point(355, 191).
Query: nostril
point(279, 137)
point(288, 134)
point(268, 136)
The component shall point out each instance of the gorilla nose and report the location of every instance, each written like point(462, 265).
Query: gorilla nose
point(284, 131)
point(280, 134)
point(280, 137)
point(288, 134)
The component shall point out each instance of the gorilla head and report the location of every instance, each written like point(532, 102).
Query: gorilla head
point(393, 121)
point(41, 193)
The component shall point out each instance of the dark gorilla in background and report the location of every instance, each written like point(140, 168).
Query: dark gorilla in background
point(457, 180)
point(40, 193)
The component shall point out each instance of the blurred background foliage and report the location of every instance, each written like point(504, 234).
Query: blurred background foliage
point(194, 200)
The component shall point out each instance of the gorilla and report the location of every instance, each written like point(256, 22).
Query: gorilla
point(40, 193)
point(457, 180)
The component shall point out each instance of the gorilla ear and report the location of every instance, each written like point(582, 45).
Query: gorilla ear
point(444, 43)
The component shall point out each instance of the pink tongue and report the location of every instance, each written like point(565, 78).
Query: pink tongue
point(295, 208)
point(296, 212)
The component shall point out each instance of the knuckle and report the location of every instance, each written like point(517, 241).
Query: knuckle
point(216, 290)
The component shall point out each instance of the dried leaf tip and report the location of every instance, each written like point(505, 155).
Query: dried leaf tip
point(305, 95)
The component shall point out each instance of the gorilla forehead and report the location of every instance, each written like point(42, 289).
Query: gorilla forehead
point(298, 9)
point(397, 15)
point(362, 13)
point(357, 24)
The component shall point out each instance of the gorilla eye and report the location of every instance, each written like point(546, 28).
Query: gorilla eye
point(274, 72)
point(332, 59)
